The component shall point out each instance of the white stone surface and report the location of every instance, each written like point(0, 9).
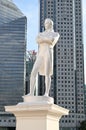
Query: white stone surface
point(37, 116)
point(44, 62)
point(37, 100)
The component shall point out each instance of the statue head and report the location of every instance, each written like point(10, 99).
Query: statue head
point(48, 24)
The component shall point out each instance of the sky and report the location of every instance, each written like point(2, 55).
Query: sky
point(30, 8)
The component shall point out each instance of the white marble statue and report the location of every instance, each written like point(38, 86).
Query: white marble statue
point(44, 62)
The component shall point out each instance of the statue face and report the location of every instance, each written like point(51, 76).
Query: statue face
point(48, 24)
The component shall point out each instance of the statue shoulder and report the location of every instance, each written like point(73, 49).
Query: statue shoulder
point(39, 34)
point(56, 34)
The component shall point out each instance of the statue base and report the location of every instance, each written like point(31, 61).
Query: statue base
point(37, 100)
point(37, 113)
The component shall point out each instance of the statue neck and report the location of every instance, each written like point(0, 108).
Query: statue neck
point(49, 30)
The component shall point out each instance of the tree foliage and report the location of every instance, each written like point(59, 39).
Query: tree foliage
point(83, 125)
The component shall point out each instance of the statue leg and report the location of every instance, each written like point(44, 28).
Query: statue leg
point(32, 83)
point(33, 76)
point(47, 84)
point(47, 75)
point(33, 80)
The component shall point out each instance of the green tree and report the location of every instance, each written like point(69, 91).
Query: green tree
point(83, 125)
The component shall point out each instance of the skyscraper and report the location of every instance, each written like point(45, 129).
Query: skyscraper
point(85, 99)
point(12, 57)
point(67, 86)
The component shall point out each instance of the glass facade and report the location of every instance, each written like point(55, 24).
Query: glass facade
point(12, 54)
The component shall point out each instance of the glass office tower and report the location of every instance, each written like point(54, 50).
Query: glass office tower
point(67, 86)
point(12, 58)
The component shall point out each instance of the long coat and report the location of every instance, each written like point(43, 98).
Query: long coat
point(45, 53)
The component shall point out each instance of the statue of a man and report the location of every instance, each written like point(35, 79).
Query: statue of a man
point(44, 62)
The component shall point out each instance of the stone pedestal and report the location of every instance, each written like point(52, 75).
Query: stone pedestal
point(37, 113)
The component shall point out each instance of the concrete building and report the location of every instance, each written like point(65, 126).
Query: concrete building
point(67, 86)
point(85, 101)
point(12, 59)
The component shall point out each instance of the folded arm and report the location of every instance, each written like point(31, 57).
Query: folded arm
point(55, 40)
point(41, 40)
